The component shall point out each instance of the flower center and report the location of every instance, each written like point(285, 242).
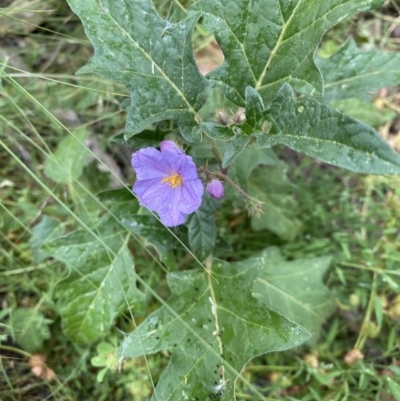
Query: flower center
point(173, 180)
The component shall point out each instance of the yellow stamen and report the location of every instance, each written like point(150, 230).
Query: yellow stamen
point(173, 180)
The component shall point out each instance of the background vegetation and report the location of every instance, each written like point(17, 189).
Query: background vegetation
point(351, 217)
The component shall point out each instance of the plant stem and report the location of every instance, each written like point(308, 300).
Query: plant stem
point(16, 350)
point(363, 336)
point(267, 368)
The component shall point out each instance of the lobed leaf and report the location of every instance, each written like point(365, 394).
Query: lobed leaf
point(101, 282)
point(152, 57)
point(267, 43)
point(315, 129)
point(212, 336)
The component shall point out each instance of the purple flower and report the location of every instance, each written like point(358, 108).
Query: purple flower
point(215, 189)
point(167, 182)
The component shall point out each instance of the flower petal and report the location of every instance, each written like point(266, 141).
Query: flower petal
point(149, 163)
point(171, 221)
point(192, 193)
point(188, 169)
point(170, 211)
point(164, 145)
point(173, 159)
point(151, 193)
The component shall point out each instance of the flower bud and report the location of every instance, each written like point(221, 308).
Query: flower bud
point(255, 207)
point(222, 117)
point(240, 116)
point(215, 189)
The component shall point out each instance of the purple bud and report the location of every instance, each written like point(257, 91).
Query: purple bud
point(215, 189)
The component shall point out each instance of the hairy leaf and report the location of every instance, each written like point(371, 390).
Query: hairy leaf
point(267, 43)
point(295, 289)
point(270, 186)
point(315, 129)
point(152, 57)
point(352, 72)
point(202, 230)
point(213, 327)
point(101, 282)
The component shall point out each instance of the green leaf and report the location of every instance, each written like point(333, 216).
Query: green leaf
point(394, 388)
point(95, 179)
point(218, 132)
point(267, 43)
point(152, 57)
point(47, 230)
point(270, 186)
point(121, 198)
point(202, 231)
point(354, 73)
point(251, 157)
point(214, 335)
point(235, 148)
point(30, 328)
point(106, 358)
point(66, 164)
point(295, 289)
point(148, 137)
point(366, 112)
point(216, 100)
point(101, 374)
point(101, 283)
point(125, 209)
point(254, 110)
point(315, 129)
